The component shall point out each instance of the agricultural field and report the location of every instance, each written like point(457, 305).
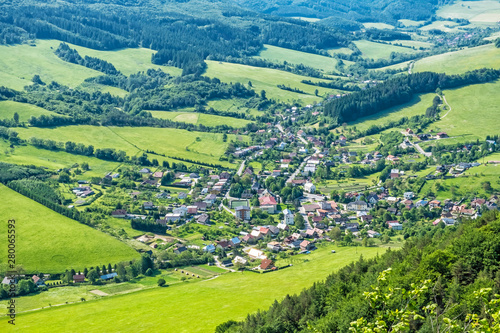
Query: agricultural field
point(200, 306)
point(267, 79)
point(347, 185)
point(141, 139)
point(233, 105)
point(24, 110)
point(201, 118)
point(373, 50)
point(474, 11)
point(279, 54)
point(446, 26)
point(370, 25)
point(413, 43)
point(341, 50)
point(49, 242)
point(461, 61)
point(474, 112)
point(411, 23)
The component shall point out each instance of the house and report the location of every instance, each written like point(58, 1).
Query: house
point(372, 198)
point(182, 210)
point(158, 174)
point(78, 278)
point(179, 249)
point(421, 203)
point(394, 173)
point(240, 260)
point(274, 246)
point(210, 199)
point(148, 205)
point(182, 195)
point(434, 204)
point(309, 168)
point(119, 213)
point(268, 203)
point(172, 217)
point(409, 195)
point(192, 210)
point(288, 217)
point(256, 254)
point(210, 248)
point(282, 226)
point(306, 245)
point(38, 281)
point(145, 171)
point(225, 175)
point(276, 173)
point(224, 244)
point(274, 230)
point(203, 219)
point(266, 264)
point(395, 225)
point(200, 205)
point(243, 213)
point(367, 218)
point(226, 263)
point(392, 200)
point(358, 205)
point(248, 239)
point(235, 241)
point(256, 234)
point(373, 234)
point(310, 188)
point(441, 135)
point(108, 276)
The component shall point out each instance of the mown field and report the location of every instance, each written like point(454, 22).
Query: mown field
point(378, 25)
point(446, 26)
point(474, 11)
point(461, 61)
point(48, 242)
point(25, 111)
point(373, 50)
point(267, 79)
point(279, 54)
point(232, 105)
point(199, 146)
point(195, 307)
point(200, 118)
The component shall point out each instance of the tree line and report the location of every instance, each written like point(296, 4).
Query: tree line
point(71, 55)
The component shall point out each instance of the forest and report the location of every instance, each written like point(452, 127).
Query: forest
point(443, 276)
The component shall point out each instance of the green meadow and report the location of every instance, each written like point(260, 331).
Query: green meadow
point(279, 54)
point(233, 105)
point(49, 242)
point(461, 61)
point(373, 50)
point(267, 79)
point(196, 306)
point(411, 23)
point(413, 43)
point(446, 26)
point(474, 11)
point(200, 146)
point(24, 110)
point(200, 118)
point(378, 25)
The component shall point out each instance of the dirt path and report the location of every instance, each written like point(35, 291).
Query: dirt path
point(449, 107)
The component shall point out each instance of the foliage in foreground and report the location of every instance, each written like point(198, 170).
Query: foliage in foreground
point(444, 280)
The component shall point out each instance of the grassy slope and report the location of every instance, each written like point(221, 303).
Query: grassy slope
point(49, 242)
point(266, 79)
point(461, 61)
point(25, 111)
point(200, 118)
point(169, 141)
point(446, 26)
point(197, 307)
point(375, 50)
point(474, 11)
point(279, 54)
point(371, 25)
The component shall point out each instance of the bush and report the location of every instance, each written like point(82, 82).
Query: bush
point(149, 272)
point(161, 282)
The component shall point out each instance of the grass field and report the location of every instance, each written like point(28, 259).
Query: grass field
point(198, 307)
point(416, 107)
point(279, 54)
point(200, 118)
point(411, 23)
point(413, 43)
point(474, 112)
point(266, 79)
point(341, 50)
point(25, 111)
point(446, 26)
point(373, 50)
point(48, 242)
point(233, 105)
point(474, 11)
point(160, 140)
point(461, 61)
point(370, 25)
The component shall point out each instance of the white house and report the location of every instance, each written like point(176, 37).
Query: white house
point(288, 217)
point(309, 187)
point(181, 211)
point(309, 168)
point(409, 195)
point(256, 254)
point(357, 206)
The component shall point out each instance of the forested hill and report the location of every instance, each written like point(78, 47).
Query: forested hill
point(355, 10)
point(442, 277)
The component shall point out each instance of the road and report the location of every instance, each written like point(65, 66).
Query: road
point(421, 151)
point(449, 107)
point(410, 67)
point(242, 166)
point(296, 172)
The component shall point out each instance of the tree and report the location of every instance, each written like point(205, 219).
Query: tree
point(93, 276)
point(263, 94)
point(335, 233)
point(299, 221)
point(224, 137)
point(161, 282)
point(16, 117)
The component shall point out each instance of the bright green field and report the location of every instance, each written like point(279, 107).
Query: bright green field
point(25, 111)
point(341, 50)
point(378, 26)
point(373, 50)
point(266, 79)
point(200, 118)
point(461, 61)
point(49, 242)
point(413, 43)
point(416, 107)
point(474, 11)
point(446, 26)
point(233, 105)
point(194, 307)
point(474, 112)
point(411, 23)
point(279, 54)
point(168, 141)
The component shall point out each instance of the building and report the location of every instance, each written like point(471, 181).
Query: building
point(310, 188)
point(243, 213)
point(357, 206)
point(268, 203)
point(409, 195)
point(266, 264)
point(78, 278)
point(288, 217)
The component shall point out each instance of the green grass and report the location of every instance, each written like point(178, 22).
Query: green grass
point(371, 25)
point(461, 61)
point(373, 50)
point(474, 11)
point(49, 242)
point(411, 23)
point(413, 43)
point(267, 79)
point(279, 54)
point(168, 141)
point(25, 111)
point(201, 118)
point(446, 26)
point(234, 105)
point(341, 50)
point(200, 306)
point(474, 112)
